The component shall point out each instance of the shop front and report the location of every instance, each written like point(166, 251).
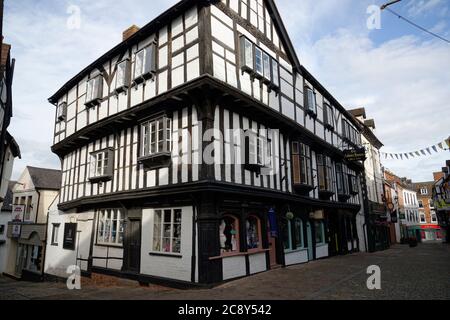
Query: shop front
point(27, 252)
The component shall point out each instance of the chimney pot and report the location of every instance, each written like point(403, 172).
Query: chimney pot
point(129, 32)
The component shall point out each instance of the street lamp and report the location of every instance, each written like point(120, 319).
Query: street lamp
point(384, 6)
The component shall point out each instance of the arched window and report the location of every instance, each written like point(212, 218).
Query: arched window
point(253, 228)
point(229, 234)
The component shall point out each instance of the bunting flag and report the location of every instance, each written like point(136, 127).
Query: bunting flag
point(429, 151)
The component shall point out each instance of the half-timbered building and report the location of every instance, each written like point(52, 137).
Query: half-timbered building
point(200, 150)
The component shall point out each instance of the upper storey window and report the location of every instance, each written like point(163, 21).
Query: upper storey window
point(94, 91)
point(123, 76)
point(156, 142)
point(101, 165)
point(328, 116)
point(259, 64)
point(301, 159)
point(61, 112)
point(311, 105)
point(145, 64)
point(325, 173)
point(258, 152)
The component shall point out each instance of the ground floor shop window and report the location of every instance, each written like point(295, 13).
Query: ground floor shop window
point(320, 232)
point(293, 235)
point(229, 234)
point(167, 231)
point(110, 227)
point(253, 228)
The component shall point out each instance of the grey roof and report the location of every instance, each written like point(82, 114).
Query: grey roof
point(47, 179)
point(7, 202)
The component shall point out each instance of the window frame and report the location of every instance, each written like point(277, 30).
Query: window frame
point(310, 95)
point(247, 53)
point(148, 64)
point(304, 154)
point(328, 116)
point(161, 237)
point(258, 230)
point(55, 234)
point(258, 154)
point(70, 245)
point(107, 222)
point(107, 170)
point(95, 93)
point(147, 140)
point(125, 83)
point(61, 112)
point(235, 237)
point(322, 228)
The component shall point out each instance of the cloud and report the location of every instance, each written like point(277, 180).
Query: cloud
point(418, 7)
point(403, 82)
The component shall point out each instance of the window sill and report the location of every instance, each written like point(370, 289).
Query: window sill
point(167, 255)
point(156, 161)
point(93, 103)
point(100, 179)
point(240, 254)
point(319, 245)
point(54, 244)
point(109, 245)
point(296, 250)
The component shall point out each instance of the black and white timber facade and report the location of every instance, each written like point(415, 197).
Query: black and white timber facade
point(137, 129)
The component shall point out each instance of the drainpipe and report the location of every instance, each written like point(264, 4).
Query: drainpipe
point(37, 207)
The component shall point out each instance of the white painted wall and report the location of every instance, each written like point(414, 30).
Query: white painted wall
point(321, 251)
point(5, 217)
point(167, 266)
point(296, 257)
point(57, 259)
point(233, 267)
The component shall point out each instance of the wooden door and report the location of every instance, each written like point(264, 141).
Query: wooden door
point(134, 245)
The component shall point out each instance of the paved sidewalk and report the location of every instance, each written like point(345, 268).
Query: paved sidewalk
point(407, 273)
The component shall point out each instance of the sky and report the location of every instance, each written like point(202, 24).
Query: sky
point(400, 74)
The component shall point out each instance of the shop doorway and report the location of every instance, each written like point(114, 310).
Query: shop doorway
point(272, 247)
point(134, 246)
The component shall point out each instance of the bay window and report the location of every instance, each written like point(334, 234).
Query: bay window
point(258, 151)
point(310, 98)
point(94, 91)
point(167, 231)
point(328, 116)
point(354, 187)
point(259, 63)
point(156, 142)
point(301, 159)
point(229, 234)
point(101, 165)
point(145, 64)
point(342, 180)
point(325, 173)
point(246, 54)
point(123, 76)
point(61, 112)
point(253, 229)
point(110, 230)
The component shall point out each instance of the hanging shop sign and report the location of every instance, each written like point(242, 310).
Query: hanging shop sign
point(358, 154)
point(273, 223)
point(17, 218)
point(317, 215)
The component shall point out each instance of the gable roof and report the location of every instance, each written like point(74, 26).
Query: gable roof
point(156, 23)
point(46, 179)
point(7, 202)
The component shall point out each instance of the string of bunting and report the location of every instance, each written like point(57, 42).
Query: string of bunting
point(439, 147)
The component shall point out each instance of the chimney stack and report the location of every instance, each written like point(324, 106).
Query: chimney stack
point(129, 32)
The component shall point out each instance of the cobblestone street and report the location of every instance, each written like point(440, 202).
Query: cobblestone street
point(407, 273)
